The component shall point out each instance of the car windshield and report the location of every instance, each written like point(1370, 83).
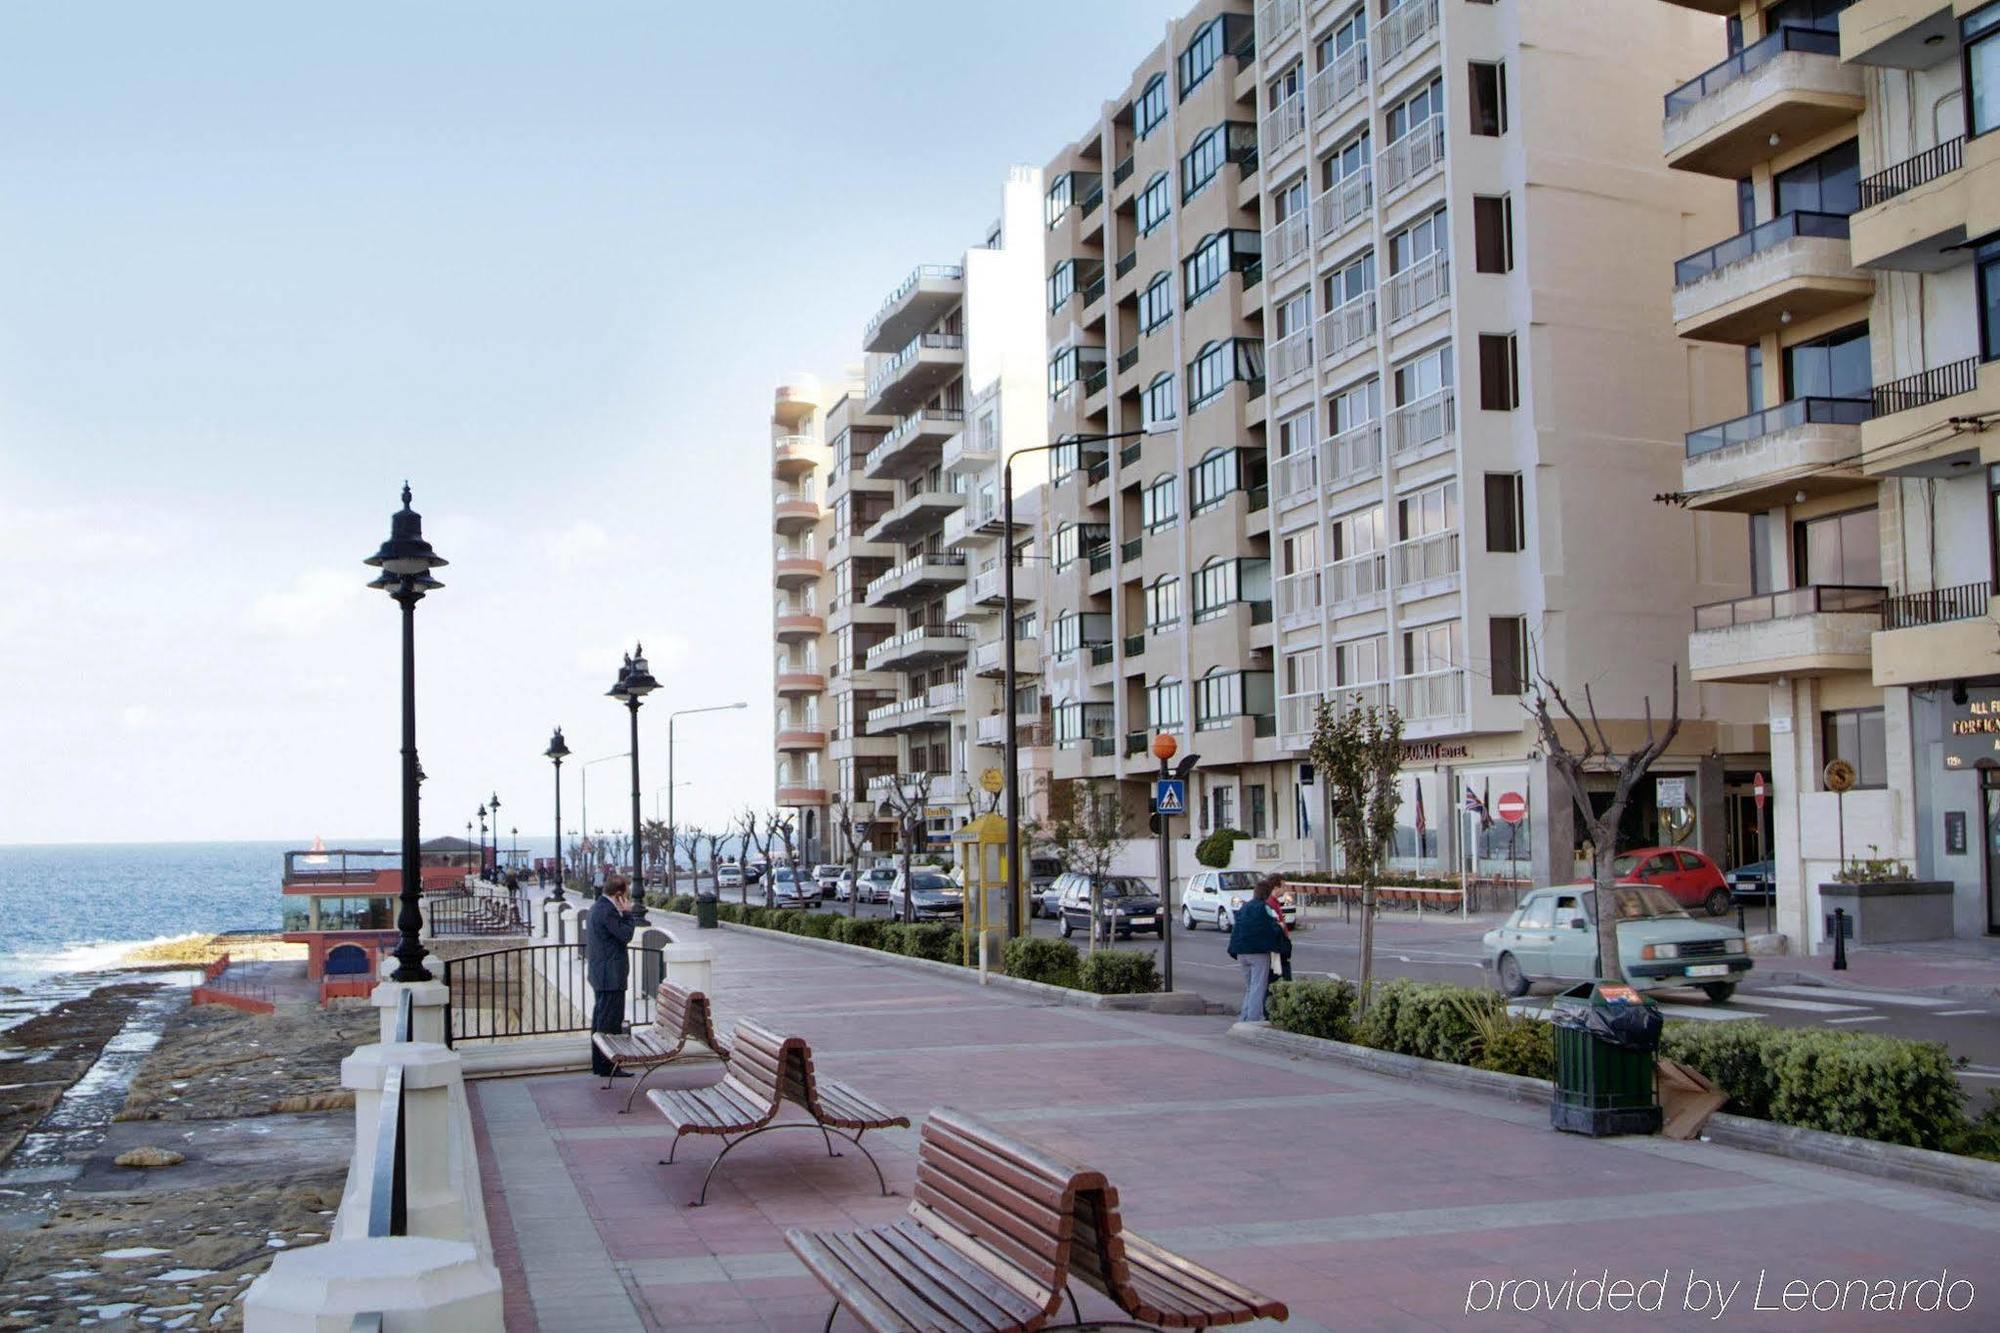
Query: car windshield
point(1642, 902)
point(881, 873)
point(781, 874)
point(931, 883)
point(1124, 886)
point(826, 870)
point(1232, 881)
point(1624, 864)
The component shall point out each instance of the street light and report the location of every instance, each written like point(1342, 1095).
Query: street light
point(557, 752)
point(672, 877)
point(481, 872)
point(493, 804)
point(635, 682)
point(1012, 753)
point(585, 821)
point(1164, 747)
point(406, 561)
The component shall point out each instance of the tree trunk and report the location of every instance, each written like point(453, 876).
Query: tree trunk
point(1367, 943)
point(1602, 876)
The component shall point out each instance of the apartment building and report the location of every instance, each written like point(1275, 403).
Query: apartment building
point(1859, 288)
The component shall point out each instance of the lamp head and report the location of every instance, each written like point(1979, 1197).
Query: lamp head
point(1164, 747)
point(406, 555)
point(639, 681)
point(557, 750)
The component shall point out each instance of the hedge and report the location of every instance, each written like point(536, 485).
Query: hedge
point(1119, 972)
point(1215, 850)
point(1053, 962)
point(1313, 1008)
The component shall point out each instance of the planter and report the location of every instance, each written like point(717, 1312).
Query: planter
point(1889, 912)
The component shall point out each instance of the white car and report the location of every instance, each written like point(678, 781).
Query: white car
point(792, 888)
point(875, 883)
point(828, 879)
point(1212, 897)
point(729, 877)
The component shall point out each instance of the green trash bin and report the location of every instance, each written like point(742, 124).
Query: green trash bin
point(1607, 1041)
point(704, 911)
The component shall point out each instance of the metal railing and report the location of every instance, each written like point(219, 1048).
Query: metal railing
point(1298, 595)
point(1764, 236)
point(1404, 28)
point(1813, 599)
point(1122, 172)
point(1938, 606)
point(1341, 205)
point(476, 914)
point(1784, 416)
point(1911, 172)
point(1285, 240)
point(1346, 325)
point(1424, 559)
point(1340, 81)
point(1134, 644)
point(1297, 475)
point(1927, 386)
point(1751, 58)
point(940, 272)
point(1405, 161)
point(1417, 288)
point(1431, 694)
point(1128, 359)
point(1126, 263)
point(923, 342)
point(1356, 577)
point(535, 990)
point(1424, 422)
point(1284, 124)
point(1275, 18)
point(1289, 357)
point(1352, 456)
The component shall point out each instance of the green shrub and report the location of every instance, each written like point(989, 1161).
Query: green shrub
point(934, 940)
point(730, 912)
point(1119, 972)
point(1215, 850)
point(866, 931)
point(1979, 1137)
point(681, 902)
point(1052, 961)
point(1313, 1008)
point(1430, 1020)
point(819, 925)
point(1510, 1043)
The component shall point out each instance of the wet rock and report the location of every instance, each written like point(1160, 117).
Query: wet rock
point(150, 1156)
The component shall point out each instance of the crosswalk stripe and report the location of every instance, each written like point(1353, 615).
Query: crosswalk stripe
point(1865, 1018)
point(1705, 1013)
point(1958, 1013)
point(1864, 996)
point(1810, 1006)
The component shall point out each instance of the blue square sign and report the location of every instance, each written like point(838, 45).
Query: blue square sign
point(1170, 796)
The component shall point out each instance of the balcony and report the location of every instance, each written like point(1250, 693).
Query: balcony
point(1404, 31)
point(967, 524)
point(915, 649)
point(1289, 359)
point(792, 456)
point(912, 445)
point(794, 511)
point(1284, 127)
point(799, 740)
point(1276, 20)
point(1352, 457)
point(1925, 425)
point(1788, 88)
point(968, 453)
point(918, 302)
point(989, 659)
point(1339, 84)
point(1297, 598)
point(793, 626)
point(1797, 265)
point(891, 718)
point(1425, 566)
point(1798, 632)
point(1419, 290)
point(1346, 329)
point(1343, 205)
point(797, 682)
point(1913, 215)
point(1424, 428)
point(1898, 34)
point(920, 577)
point(920, 512)
point(789, 795)
point(1295, 478)
point(1356, 584)
point(791, 567)
point(1411, 158)
point(1431, 701)
point(1762, 460)
point(911, 375)
point(1298, 712)
point(1285, 241)
point(1943, 634)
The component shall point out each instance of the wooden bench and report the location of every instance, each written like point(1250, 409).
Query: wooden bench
point(678, 1015)
point(997, 1231)
point(767, 1070)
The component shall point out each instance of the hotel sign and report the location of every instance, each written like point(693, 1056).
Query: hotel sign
point(1430, 752)
point(1972, 731)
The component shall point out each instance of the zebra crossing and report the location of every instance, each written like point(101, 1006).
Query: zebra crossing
point(1834, 1007)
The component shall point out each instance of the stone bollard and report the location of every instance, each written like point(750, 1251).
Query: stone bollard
point(432, 1076)
point(427, 1010)
point(412, 1281)
point(645, 976)
point(691, 966)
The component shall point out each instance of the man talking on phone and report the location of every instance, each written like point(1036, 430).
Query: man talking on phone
point(606, 933)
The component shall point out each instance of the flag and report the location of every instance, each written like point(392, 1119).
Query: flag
point(1421, 825)
point(1476, 805)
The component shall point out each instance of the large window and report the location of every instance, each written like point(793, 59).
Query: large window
point(1155, 202)
point(1350, 159)
point(1839, 549)
point(1356, 405)
point(1160, 503)
point(1421, 376)
point(1223, 694)
point(1351, 280)
point(1158, 403)
point(1499, 373)
point(1417, 242)
point(1163, 602)
point(1428, 648)
point(1166, 704)
point(1834, 366)
point(1359, 662)
point(1198, 61)
point(1856, 735)
point(1071, 364)
point(1215, 256)
point(1358, 533)
point(1427, 512)
point(1487, 81)
point(1506, 520)
point(1065, 634)
point(1212, 479)
point(1156, 303)
point(1223, 581)
point(1220, 363)
point(1979, 33)
point(1062, 284)
point(1507, 641)
point(1414, 111)
point(1341, 38)
point(1987, 273)
point(1150, 108)
point(1492, 233)
point(1216, 145)
point(1828, 183)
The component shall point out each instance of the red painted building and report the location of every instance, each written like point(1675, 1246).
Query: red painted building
point(341, 902)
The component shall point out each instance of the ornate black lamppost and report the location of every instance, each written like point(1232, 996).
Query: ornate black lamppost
point(635, 682)
point(557, 752)
point(480, 872)
point(493, 808)
point(406, 561)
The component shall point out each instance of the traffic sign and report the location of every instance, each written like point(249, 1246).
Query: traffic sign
point(1170, 796)
point(1757, 791)
point(1512, 807)
point(1672, 793)
point(1839, 775)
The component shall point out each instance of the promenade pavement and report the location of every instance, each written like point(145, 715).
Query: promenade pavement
point(1364, 1202)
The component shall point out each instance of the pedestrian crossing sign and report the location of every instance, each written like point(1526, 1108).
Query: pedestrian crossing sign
point(1170, 796)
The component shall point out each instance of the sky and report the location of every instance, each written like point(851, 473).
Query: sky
point(260, 263)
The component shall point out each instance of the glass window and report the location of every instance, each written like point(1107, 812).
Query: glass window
point(1359, 532)
point(1506, 518)
point(1166, 704)
point(1839, 549)
point(1212, 479)
point(1492, 233)
point(1163, 602)
point(1351, 281)
point(1834, 366)
point(1350, 159)
point(1286, 86)
point(1418, 241)
point(1856, 735)
point(1060, 196)
point(1753, 377)
point(1760, 554)
point(1199, 59)
point(1154, 204)
point(1254, 805)
point(1414, 111)
point(1423, 376)
point(1427, 512)
point(1987, 275)
point(1828, 183)
point(1488, 99)
point(1219, 364)
point(1156, 303)
point(1062, 284)
point(1160, 503)
point(1820, 15)
point(1203, 269)
point(1981, 69)
point(1499, 378)
point(1429, 648)
point(1150, 108)
point(1159, 400)
point(1507, 640)
point(1538, 914)
point(1356, 405)
point(1359, 661)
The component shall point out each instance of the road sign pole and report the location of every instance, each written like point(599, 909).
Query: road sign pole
point(1166, 888)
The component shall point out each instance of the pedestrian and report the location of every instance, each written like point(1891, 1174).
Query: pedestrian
point(1255, 936)
point(606, 933)
point(1281, 912)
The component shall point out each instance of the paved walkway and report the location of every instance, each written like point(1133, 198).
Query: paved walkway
point(1364, 1202)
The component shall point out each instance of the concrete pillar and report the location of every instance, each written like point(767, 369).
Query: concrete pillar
point(428, 999)
point(646, 973)
point(691, 966)
point(1711, 822)
point(415, 1282)
point(1551, 825)
point(431, 1076)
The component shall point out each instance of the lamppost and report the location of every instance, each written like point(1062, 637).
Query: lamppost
point(480, 873)
point(493, 804)
point(672, 878)
point(406, 561)
point(1011, 755)
point(635, 682)
point(557, 752)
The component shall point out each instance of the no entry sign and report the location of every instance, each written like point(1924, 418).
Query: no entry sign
point(1512, 807)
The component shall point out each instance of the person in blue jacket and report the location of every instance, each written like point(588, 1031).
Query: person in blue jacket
point(1252, 940)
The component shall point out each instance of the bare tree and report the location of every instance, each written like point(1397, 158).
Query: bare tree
point(910, 799)
point(746, 828)
point(1360, 750)
point(784, 827)
point(1085, 834)
point(767, 840)
point(1595, 754)
point(853, 820)
point(687, 842)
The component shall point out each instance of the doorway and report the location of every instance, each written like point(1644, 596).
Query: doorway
point(1989, 792)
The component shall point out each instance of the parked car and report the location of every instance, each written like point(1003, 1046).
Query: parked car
point(793, 888)
point(843, 886)
point(932, 896)
point(1043, 872)
point(1212, 897)
point(1691, 877)
point(754, 871)
point(875, 883)
point(1552, 936)
point(729, 876)
point(828, 879)
point(1755, 882)
point(1125, 904)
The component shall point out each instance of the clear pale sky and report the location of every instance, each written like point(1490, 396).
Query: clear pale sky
point(259, 262)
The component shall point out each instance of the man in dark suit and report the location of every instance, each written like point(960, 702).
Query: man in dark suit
point(606, 932)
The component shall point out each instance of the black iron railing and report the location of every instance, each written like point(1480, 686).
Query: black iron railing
point(1135, 644)
point(1126, 263)
point(1136, 742)
point(1092, 294)
point(1938, 606)
point(476, 914)
point(1100, 654)
point(1927, 386)
point(535, 990)
point(1911, 172)
point(1811, 600)
point(1752, 57)
point(1122, 172)
point(1784, 416)
point(1128, 359)
point(1764, 236)
point(1100, 557)
point(1129, 550)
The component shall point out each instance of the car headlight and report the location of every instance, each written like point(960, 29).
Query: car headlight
point(1661, 951)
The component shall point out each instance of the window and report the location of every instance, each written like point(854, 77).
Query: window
point(1229, 142)
point(1156, 303)
point(1980, 69)
point(1155, 202)
point(1160, 503)
point(1488, 99)
point(1212, 479)
point(1987, 276)
point(1062, 284)
point(1295, 435)
point(1760, 554)
point(1223, 581)
point(1286, 86)
point(1856, 735)
point(1293, 313)
point(1424, 375)
point(1198, 61)
point(1062, 193)
point(1428, 512)
point(1253, 796)
point(1417, 242)
point(1820, 15)
point(1220, 363)
point(1430, 648)
point(1351, 281)
point(1359, 662)
point(1066, 634)
point(1499, 378)
point(1343, 37)
point(1492, 233)
point(1066, 546)
point(1538, 914)
point(1163, 602)
point(1354, 406)
point(1222, 807)
point(1828, 183)
point(1166, 704)
point(1158, 403)
point(1833, 366)
point(1415, 111)
point(1150, 107)
point(1223, 694)
point(1506, 517)
point(1071, 364)
point(1215, 256)
point(1838, 549)
point(1993, 518)
point(1358, 533)
point(1507, 640)
point(1350, 159)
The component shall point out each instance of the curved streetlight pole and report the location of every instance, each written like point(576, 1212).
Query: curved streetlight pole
point(672, 828)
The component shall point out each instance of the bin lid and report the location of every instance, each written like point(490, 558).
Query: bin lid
point(1599, 995)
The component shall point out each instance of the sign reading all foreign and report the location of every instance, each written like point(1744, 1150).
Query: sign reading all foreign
point(1972, 730)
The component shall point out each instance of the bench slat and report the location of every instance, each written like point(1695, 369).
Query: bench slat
point(853, 1292)
point(948, 1281)
point(908, 1293)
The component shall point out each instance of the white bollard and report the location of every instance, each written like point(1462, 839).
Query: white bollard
point(691, 966)
point(428, 1000)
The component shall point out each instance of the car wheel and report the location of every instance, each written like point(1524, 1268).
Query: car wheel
point(1067, 928)
point(1222, 920)
point(1187, 919)
point(1718, 902)
point(1719, 991)
point(1513, 982)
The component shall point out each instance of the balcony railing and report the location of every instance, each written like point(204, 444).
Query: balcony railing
point(1404, 28)
point(1297, 475)
point(1275, 18)
point(1752, 57)
point(1346, 325)
point(1764, 236)
point(918, 275)
point(1284, 124)
point(1357, 577)
point(1289, 358)
point(1354, 455)
point(1122, 172)
point(1126, 263)
point(1128, 359)
point(1426, 559)
point(1431, 695)
point(1785, 416)
point(1129, 549)
point(1416, 425)
point(892, 647)
point(1339, 82)
point(913, 571)
point(1285, 240)
point(897, 363)
point(1340, 206)
point(1401, 163)
point(1100, 559)
point(1939, 606)
point(1298, 595)
point(1807, 601)
point(1927, 387)
point(1911, 172)
point(1135, 644)
point(1419, 287)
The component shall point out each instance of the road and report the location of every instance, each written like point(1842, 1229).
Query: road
point(1448, 949)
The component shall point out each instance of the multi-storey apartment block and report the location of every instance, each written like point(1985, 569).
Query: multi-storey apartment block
point(1860, 291)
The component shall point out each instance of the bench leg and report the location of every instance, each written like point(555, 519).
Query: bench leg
point(668, 1160)
point(855, 1139)
point(831, 1315)
point(824, 1130)
point(829, 1142)
point(634, 1095)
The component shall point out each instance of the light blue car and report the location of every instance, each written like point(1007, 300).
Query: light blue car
point(1552, 936)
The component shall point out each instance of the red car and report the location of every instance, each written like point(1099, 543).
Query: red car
point(1694, 880)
